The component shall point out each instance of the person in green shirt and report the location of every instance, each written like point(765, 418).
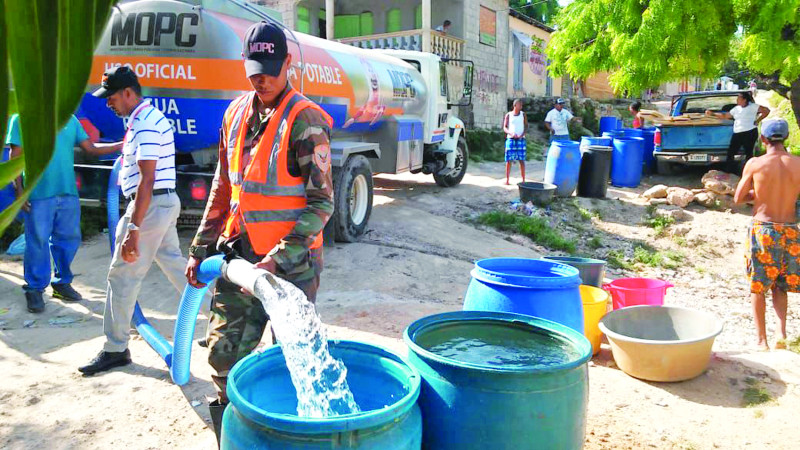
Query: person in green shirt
point(53, 214)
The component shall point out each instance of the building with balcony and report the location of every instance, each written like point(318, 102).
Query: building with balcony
point(479, 32)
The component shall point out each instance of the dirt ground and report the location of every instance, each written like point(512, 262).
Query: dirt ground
point(414, 261)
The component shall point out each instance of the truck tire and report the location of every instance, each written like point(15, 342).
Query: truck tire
point(352, 199)
point(665, 167)
point(462, 158)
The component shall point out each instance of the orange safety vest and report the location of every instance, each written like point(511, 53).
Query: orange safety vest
point(268, 200)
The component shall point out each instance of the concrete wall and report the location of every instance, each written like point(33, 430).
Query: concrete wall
point(534, 79)
point(491, 65)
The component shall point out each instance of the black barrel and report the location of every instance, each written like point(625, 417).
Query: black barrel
point(595, 170)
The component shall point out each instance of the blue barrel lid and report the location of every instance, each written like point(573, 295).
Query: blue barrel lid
point(558, 331)
point(384, 360)
point(526, 273)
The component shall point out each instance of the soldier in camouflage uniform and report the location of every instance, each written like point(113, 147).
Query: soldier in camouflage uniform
point(238, 320)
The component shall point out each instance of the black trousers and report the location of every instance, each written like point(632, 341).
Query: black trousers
point(745, 140)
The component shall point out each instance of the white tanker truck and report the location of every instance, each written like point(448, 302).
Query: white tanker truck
point(390, 107)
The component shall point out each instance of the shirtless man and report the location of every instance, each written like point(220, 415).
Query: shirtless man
point(772, 182)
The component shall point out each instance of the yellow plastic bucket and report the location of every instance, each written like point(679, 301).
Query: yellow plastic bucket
point(595, 303)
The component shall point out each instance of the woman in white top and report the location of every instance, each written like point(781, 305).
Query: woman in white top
point(515, 124)
point(745, 115)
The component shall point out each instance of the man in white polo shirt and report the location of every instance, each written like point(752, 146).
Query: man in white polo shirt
point(557, 121)
point(148, 230)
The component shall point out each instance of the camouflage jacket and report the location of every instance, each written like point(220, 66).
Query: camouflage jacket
point(308, 157)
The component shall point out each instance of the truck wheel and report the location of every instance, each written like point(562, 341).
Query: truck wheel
point(665, 167)
point(352, 199)
point(462, 157)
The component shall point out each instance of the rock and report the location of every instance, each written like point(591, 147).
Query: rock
point(714, 200)
point(679, 231)
point(697, 191)
point(657, 191)
point(659, 201)
point(679, 215)
point(679, 196)
point(720, 182)
point(28, 323)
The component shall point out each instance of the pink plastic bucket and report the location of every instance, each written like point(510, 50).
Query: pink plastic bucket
point(637, 291)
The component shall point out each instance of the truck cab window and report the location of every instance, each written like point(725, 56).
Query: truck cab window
point(443, 78)
point(701, 104)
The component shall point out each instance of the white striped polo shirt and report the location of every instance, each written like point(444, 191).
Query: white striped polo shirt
point(149, 137)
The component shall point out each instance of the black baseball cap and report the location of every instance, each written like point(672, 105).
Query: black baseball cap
point(264, 49)
point(116, 79)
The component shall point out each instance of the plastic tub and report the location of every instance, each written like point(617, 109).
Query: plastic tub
point(539, 193)
point(468, 404)
point(534, 287)
point(666, 343)
point(632, 132)
point(591, 271)
point(595, 306)
point(637, 291)
point(263, 404)
point(563, 166)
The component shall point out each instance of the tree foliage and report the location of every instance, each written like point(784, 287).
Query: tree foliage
point(644, 43)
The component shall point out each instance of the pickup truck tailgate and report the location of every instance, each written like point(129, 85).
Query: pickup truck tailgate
point(706, 137)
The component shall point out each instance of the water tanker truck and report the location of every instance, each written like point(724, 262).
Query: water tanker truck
point(389, 107)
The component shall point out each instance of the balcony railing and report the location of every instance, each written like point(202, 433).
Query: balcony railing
point(443, 45)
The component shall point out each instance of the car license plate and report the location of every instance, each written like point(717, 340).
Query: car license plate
point(698, 158)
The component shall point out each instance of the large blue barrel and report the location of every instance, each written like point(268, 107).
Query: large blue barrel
point(608, 123)
point(563, 166)
point(613, 133)
point(626, 161)
point(470, 402)
point(262, 413)
point(649, 159)
point(589, 141)
point(538, 288)
point(7, 192)
point(632, 132)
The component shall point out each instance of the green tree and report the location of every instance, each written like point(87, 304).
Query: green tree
point(47, 47)
point(644, 43)
point(544, 11)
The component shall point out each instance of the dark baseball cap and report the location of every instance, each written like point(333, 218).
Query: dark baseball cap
point(116, 79)
point(264, 49)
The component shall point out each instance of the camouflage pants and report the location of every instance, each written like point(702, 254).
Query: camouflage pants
point(238, 320)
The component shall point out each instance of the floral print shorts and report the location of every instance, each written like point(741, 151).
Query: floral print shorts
point(773, 257)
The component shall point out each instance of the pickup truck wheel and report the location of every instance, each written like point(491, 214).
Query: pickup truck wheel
point(462, 157)
point(665, 167)
point(352, 199)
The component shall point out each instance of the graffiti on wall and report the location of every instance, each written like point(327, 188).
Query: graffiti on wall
point(488, 87)
point(537, 59)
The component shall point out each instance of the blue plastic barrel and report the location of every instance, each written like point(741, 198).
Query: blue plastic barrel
point(626, 161)
point(476, 405)
point(632, 132)
point(588, 141)
point(608, 123)
point(649, 159)
point(7, 192)
point(262, 413)
point(563, 166)
point(538, 288)
point(612, 133)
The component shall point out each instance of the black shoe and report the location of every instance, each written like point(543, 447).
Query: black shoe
point(106, 361)
point(203, 342)
point(66, 292)
point(216, 409)
point(35, 301)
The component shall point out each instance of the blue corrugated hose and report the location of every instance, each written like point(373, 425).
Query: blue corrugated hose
point(178, 357)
